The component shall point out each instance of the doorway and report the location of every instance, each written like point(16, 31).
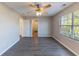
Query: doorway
point(35, 28)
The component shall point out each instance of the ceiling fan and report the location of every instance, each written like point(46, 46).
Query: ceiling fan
point(39, 8)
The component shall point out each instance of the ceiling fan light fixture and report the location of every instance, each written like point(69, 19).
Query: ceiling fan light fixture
point(38, 13)
point(39, 9)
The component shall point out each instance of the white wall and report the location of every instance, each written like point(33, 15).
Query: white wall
point(9, 28)
point(21, 22)
point(71, 44)
point(44, 28)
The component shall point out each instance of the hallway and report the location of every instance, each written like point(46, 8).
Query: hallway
point(37, 47)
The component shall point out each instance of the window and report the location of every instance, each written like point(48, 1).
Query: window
point(76, 25)
point(66, 24)
point(69, 25)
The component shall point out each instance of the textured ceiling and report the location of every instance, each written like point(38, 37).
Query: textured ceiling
point(24, 9)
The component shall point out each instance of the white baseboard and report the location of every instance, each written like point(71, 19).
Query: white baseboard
point(9, 47)
point(65, 46)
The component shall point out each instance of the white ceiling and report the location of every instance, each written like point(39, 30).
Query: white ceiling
point(23, 7)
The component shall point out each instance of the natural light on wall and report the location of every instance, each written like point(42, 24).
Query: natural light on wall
point(69, 25)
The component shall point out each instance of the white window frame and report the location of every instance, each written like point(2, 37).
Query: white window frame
point(72, 27)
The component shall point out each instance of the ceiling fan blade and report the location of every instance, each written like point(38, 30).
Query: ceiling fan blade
point(32, 5)
point(47, 6)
